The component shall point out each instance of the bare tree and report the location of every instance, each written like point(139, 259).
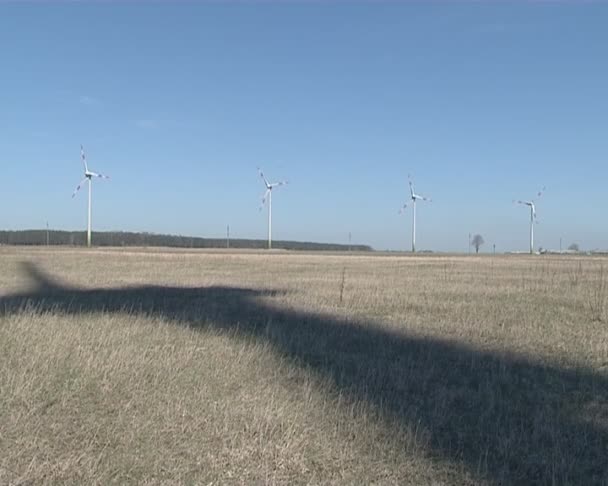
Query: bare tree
point(573, 247)
point(477, 241)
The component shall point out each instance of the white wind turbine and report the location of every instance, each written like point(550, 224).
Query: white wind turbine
point(414, 197)
point(268, 197)
point(532, 216)
point(88, 176)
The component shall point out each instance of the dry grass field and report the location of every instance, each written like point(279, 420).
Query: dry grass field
point(185, 367)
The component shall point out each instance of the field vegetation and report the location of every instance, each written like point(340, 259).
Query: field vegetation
point(217, 367)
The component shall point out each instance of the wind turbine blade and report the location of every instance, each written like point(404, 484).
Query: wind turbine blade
point(263, 178)
point(264, 197)
point(402, 209)
point(276, 184)
point(84, 159)
point(78, 187)
point(540, 193)
point(411, 186)
point(101, 176)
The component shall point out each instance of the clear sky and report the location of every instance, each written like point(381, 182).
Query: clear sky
point(481, 103)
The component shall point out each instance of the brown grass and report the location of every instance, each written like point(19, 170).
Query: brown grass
point(247, 367)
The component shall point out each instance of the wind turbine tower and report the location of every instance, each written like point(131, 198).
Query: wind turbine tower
point(414, 197)
point(268, 197)
point(88, 176)
point(531, 204)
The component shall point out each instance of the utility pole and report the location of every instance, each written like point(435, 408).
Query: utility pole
point(350, 236)
point(560, 244)
point(47, 233)
point(228, 236)
point(469, 243)
point(494, 248)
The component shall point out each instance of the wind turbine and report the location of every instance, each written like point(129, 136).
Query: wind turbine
point(532, 216)
point(414, 197)
point(88, 176)
point(268, 197)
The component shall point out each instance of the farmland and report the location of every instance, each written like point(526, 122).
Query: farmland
point(241, 367)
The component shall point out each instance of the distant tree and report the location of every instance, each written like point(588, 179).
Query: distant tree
point(477, 241)
point(573, 247)
point(102, 238)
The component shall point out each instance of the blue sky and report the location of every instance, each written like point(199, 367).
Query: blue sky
point(481, 103)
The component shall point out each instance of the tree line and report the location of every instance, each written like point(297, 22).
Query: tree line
point(120, 238)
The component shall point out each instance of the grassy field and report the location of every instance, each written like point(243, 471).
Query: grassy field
point(139, 366)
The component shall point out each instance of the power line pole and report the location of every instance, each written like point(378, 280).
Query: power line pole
point(47, 233)
point(350, 236)
point(469, 243)
point(228, 236)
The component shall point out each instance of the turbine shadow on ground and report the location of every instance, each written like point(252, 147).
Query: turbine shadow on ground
point(507, 420)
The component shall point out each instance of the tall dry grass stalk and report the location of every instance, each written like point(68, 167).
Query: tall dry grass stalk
point(598, 296)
